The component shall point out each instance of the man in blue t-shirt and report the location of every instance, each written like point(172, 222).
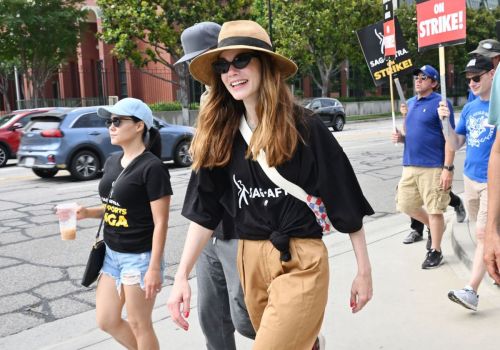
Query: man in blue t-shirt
point(474, 131)
point(427, 163)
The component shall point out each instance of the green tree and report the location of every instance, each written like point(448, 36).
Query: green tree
point(158, 24)
point(40, 35)
point(319, 34)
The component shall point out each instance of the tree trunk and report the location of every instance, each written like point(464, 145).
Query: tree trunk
point(183, 73)
point(6, 103)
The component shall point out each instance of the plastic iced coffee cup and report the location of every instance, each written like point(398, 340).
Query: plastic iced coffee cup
point(66, 213)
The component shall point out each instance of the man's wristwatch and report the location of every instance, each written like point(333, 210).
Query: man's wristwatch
point(449, 167)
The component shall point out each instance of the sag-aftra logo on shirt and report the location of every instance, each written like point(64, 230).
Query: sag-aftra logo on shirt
point(115, 216)
point(245, 192)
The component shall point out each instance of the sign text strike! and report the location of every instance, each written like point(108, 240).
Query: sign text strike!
point(441, 24)
point(395, 68)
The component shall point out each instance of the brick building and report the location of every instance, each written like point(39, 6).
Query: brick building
point(93, 74)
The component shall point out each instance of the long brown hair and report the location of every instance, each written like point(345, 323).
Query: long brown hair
point(219, 119)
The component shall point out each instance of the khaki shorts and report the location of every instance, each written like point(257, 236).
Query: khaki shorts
point(476, 201)
point(286, 301)
point(419, 187)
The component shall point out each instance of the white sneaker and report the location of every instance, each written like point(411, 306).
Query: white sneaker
point(466, 297)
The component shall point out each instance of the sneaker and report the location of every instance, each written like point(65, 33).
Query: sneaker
point(429, 239)
point(413, 236)
point(466, 297)
point(319, 344)
point(460, 211)
point(433, 259)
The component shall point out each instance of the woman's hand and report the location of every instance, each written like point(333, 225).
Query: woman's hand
point(152, 282)
point(361, 291)
point(81, 212)
point(180, 295)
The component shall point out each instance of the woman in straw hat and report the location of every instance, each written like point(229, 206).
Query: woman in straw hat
point(282, 261)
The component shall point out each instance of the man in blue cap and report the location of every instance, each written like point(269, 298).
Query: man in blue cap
point(474, 131)
point(221, 305)
point(427, 162)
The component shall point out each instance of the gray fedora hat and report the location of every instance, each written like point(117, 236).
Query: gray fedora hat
point(197, 39)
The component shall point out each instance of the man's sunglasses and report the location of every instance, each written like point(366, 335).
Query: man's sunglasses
point(421, 77)
point(115, 121)
point(221, 66)
point(475, 78)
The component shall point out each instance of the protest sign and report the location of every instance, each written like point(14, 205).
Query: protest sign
point(440, 23)
point(371, 39)
point(389, 30)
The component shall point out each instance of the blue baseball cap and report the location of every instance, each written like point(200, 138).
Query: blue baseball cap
point(428, 71)
point(129, 106)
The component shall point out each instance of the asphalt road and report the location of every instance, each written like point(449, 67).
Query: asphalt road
point(41, 274)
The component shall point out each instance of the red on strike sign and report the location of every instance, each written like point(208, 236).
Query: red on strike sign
point(440, 22)
point(389, 29)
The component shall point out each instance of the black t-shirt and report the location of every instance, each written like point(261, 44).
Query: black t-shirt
point(258, 207)
point(128, 220)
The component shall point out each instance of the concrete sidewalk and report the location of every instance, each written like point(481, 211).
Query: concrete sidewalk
point(410, 309)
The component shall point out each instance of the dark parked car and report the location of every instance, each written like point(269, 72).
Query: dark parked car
point(77, 139)
point(10, 133)
point(330, 110)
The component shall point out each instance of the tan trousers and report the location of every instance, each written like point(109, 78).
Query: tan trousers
point(286, 301)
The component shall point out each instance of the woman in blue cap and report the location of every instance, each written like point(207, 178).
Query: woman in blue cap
point(135, 190)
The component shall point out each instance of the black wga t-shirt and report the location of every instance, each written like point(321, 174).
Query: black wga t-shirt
point(259, 207)
point(128, 220)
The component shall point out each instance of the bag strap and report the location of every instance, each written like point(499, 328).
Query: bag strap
point(135, 160)
point(271, 172)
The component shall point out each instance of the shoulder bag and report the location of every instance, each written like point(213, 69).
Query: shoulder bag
point(314, 203)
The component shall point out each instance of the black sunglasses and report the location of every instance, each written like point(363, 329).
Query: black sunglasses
point(221, 66)
point(115, 121)
point(475, 78)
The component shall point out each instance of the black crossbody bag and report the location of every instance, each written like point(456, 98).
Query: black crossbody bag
point(98, 251)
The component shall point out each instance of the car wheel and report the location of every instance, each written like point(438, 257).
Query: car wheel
point(181, 155)
point(45, 173)
point(338, 125)
point(4, 155)
point(85, 165)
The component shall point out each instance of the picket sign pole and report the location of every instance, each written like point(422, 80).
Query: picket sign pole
point(442, 74)
point(392, 96)
point(389, 64)
point(401, 94)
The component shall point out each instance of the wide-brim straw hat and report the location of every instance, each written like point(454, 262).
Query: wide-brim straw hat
point(241, 34)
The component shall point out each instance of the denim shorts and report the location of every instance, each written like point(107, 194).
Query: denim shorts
point(128, 268)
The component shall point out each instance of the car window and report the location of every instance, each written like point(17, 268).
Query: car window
point(5, 119)
point(157, 124)
point(38, 124)
point(25, 120)
point(91, 120)
point(315, 104)
point(327, 103)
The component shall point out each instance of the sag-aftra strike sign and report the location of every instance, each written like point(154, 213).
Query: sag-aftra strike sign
point(440, 22)
point(371, 39)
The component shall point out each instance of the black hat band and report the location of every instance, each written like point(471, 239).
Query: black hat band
point(244, 40)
